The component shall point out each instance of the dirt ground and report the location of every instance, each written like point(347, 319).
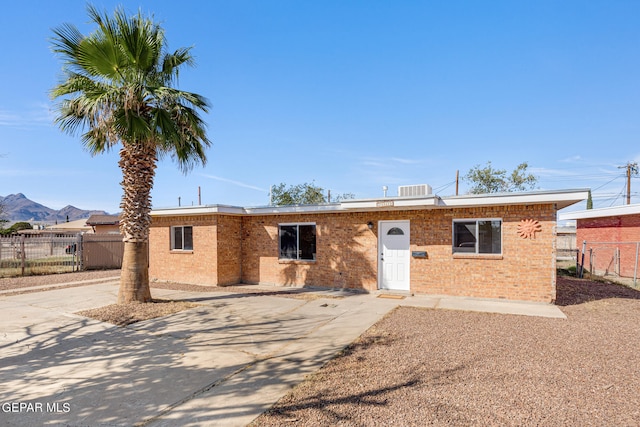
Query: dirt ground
point(421, 367)
point(437, 367)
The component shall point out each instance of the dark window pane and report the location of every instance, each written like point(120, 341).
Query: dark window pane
point(188, 238)
point(177, 238)
point(395, 231)
point(464, 239)
point(307, 241)
point(496, 236)
point(489, 237)
point(288, 242)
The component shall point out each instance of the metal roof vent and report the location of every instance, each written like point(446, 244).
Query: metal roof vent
point(414, 190)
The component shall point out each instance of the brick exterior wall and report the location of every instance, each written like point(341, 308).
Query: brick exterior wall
point(214, 259)
point(229, 248)
point(346, 252)
point(624, 228)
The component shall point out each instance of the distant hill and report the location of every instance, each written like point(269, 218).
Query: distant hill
point(17, 207)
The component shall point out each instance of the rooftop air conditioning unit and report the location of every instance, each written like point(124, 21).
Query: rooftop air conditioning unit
point(414, 190)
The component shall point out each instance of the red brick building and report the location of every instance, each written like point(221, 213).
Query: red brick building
point(611, 235)
point(492, 246)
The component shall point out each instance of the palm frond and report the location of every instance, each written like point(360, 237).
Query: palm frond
point(66, 41)
point(172, 62)
point(118, 87)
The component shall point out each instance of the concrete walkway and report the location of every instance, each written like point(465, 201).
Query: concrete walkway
point(222, 363)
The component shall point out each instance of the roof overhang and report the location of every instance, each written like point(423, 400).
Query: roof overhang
point(198, 210)
point(602, 212)
point(561, 198)
point(391, 203)
point(293, 209)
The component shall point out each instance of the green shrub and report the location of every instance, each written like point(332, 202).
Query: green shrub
point(15, 228)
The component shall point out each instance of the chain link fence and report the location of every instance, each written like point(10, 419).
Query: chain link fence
point(30, 254)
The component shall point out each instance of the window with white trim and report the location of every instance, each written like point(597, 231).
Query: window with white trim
point(297, 241)
point(182, 238)
point(481, 236)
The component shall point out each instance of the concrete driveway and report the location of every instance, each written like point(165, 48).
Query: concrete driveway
point(221, 363)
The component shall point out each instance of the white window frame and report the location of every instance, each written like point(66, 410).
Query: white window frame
point(476, 220)
point(173, 240)
point(296, 224)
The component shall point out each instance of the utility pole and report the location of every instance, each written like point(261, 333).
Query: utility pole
point(632, 168)
point(457, 180)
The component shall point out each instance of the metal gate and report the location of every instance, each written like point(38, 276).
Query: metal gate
point(29, 254)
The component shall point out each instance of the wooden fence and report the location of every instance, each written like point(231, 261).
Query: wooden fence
point(102, 251)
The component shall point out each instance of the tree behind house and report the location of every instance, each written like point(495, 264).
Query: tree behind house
point(489, 180)
point(15, 228)
point(302, 194)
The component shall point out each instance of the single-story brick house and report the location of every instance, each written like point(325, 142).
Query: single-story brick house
point(493, 246)
point(611, 235)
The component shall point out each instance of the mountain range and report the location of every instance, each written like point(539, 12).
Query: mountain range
point(17, 207)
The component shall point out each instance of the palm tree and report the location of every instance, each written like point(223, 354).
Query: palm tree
point(118, 89)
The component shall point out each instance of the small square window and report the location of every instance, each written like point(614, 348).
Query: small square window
point(182, 238)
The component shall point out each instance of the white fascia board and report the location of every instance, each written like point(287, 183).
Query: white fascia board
point(562, 198)
point(293, 209)
point(391, 203)
point(198, 210)
point(602, 212)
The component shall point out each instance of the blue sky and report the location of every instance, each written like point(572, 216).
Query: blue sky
point(351, 95)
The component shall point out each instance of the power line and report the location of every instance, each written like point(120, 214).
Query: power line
point(444, 187)
point(616, 198)
point(606, 183)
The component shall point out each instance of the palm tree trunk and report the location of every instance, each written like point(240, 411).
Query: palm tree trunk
point(134, 276)
point(138, 164)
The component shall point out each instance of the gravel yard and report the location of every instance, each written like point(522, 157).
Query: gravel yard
point(439, 367)
point(7, 283)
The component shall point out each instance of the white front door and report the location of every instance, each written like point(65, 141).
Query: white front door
point(394, 259)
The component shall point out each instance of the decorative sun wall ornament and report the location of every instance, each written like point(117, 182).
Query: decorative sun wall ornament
point(528, 228)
